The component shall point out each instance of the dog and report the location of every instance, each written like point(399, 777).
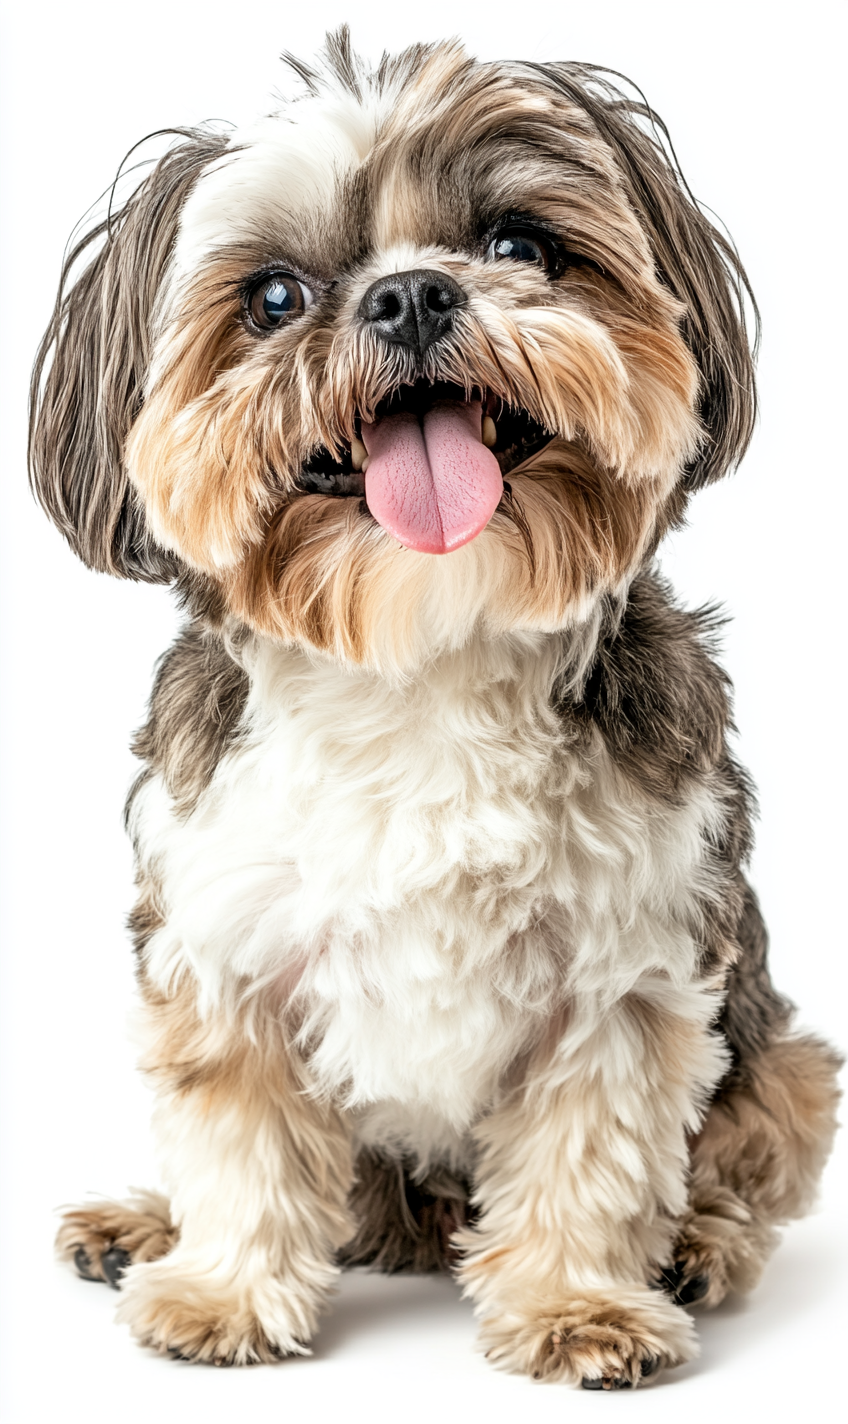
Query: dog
point(445, 951)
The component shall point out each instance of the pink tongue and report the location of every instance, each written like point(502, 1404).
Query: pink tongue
point(431, 482)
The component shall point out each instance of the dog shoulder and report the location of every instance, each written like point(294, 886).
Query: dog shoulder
point(661, 704)
point(656, 693)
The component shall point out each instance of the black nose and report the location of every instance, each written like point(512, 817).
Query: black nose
point(412, 309)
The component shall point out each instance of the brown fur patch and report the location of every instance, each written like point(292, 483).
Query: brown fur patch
point(204, 1325)
point(255, 1259)
point(757, 1161)
point(141, 1226)
point(769, 1140)
point(205, 448)
point(593, 1336)
point(244, 1060)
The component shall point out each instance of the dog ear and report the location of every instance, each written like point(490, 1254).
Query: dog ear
point(693, 259)
point(88, 381)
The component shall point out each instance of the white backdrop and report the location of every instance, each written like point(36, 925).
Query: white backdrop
point(752, 96)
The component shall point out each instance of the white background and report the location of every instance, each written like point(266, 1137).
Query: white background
point(751, 92)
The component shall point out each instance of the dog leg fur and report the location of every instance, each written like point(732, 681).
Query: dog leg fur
point(758, 1157)
point(259, 1173)
point(582, 1173)
point(755, 1165)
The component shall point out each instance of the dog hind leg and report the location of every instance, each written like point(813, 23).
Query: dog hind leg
point(758, 1158)
point(755, 1165)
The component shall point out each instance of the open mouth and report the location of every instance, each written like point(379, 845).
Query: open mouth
point(432, 464)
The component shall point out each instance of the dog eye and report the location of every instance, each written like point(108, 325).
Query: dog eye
point(276, 298)
point(520, 247)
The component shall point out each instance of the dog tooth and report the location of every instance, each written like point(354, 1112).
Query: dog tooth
point(358, 453)
point(490, 432)
point(365, 463)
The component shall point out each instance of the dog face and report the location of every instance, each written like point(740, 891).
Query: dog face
point(439, 348)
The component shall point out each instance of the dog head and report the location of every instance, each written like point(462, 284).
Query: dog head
point(440, 347)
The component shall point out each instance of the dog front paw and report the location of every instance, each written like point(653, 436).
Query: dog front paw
point(201, 1317)
point(105, 1238)
point(594, 1338)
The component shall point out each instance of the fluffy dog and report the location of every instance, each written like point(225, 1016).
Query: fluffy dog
point(445, 952)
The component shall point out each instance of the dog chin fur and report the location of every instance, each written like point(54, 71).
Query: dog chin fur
point(445, 951)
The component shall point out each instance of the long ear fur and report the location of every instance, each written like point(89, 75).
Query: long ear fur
point(694, 260)
point(89, 374)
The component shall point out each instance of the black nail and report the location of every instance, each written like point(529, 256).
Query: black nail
point(82, 1262)
point(114, 1265)
point(670, 1277)
point(693, 1290)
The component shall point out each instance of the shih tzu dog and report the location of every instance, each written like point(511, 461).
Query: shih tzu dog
point(445, 952)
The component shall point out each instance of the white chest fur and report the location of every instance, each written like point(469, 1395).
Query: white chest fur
point(431, 870)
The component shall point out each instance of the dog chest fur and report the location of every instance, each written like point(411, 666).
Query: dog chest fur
point(426, 901)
